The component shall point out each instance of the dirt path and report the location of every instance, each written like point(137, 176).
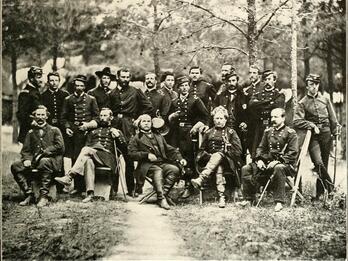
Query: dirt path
point(149, 236)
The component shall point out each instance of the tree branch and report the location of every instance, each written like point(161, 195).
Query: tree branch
point(212, 47)
point(270, 18)
point(216, 16)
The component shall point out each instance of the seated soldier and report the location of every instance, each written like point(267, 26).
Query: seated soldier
point(220, 149)
point(276, 155)
point(155, 158)
point(43, 150)
point(99, 150)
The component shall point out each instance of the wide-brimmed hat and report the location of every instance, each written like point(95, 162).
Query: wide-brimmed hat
point(313, 78)
point(106, 71)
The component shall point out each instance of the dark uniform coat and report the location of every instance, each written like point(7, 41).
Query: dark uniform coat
point(53, 100)
point(169, 93)
point(139, 148)
point(260, 106)
point(28, 100)
point(160, 102)
point(101, 95)
point(102, 140)
point(205, 91)
point(127, 104)
point(51, 144)
point(224, 140)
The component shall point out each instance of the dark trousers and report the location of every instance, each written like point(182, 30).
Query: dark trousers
point(163, 176)
point(253, 178)
point(129, 173)
point(319, 151)
point(23, 176)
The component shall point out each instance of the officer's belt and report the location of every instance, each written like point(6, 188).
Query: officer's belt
point(185, 124)
point(322, 125)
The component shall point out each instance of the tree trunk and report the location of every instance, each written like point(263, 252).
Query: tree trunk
point(154, 39)
point(306, 56)
point(55, 56)
point(252, 48)
point(14, 94)
point(330, 87)
point(294, 54)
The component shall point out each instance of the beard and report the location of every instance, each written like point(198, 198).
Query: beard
point(124, 84)
point(104, 123)
point(149, 85)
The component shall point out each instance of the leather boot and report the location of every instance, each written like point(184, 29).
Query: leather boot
point(158, 184)
point(89, 198)
point(163, 203)
point(65, 180)
point(187, 191)
point(43, 201)
point(46, 178)
point(22, 182)
point(197, 183)
point(29, 199)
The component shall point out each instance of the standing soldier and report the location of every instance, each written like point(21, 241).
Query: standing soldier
point(275, 159)
point(127, 104)
point(200, 88)
point(226, 69)
point(186, 111)
point(101, 91)
point(315, 112)
point(160, 102)
point(167, 85)
point(79, 112)
point(261, 104)
point(28, 100)
point(53, 99)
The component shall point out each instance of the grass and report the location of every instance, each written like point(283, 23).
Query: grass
point(66, 230)
point(306, 232)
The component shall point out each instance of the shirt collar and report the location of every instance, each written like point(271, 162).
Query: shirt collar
point(76, 95)
point(280, 127)
point(182, 97)
point(311, 96)
point(53, 91)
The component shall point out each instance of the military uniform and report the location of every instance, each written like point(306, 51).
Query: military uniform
point(28, 100)
point(101, 95)
point(127, 104)
point(160, 102)
point(44, 147)
point(100, 151)
point(169, 93)
point(318, 111)
point(192, 110)
point(277, 144)
point(220, 151)
point(53, 100)
point(205, 91)
point(260, 105)
point(76, 110)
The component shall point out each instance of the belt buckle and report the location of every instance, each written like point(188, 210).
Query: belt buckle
point(120, 115)
point(54, 121)
point(182, 124)
point(265, 122)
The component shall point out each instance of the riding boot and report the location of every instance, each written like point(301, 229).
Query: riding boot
point(158, 184)
point(220, 186)
point(46, 178)
point(22, 182)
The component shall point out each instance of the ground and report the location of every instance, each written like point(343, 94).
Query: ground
point(115, 230)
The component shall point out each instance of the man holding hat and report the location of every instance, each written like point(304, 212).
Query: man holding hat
point(187, 110)
point(315, 112)
point(101, 91)
point(28, 100)
point(43, 150)
point(262, 103)
point(80, 110)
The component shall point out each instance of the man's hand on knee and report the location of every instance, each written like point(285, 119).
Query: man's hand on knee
point(272, 164)
point(27, 163)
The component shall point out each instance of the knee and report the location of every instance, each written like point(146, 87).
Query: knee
point(280, 170)
point(16, 167)
point(246, 171)
point(44, 163)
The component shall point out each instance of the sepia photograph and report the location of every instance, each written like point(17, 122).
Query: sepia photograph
point(173, 130)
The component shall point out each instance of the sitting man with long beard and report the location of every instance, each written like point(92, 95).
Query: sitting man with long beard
point(98, 151)
point(155, 158)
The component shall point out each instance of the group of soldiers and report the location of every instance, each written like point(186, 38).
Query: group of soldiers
point(183, 128)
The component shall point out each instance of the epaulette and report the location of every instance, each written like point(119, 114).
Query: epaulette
point(268, 129)
point(160, 92)
point(30, 131)
point(230, 131)
point(25, 91)
point(290, 130)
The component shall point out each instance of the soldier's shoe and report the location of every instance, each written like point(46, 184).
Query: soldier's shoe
point(26, 202)
point(244, 203)
point(197, 183)
point(170, 201)
point(65, 180)
point(87, 199)
point(42, 202)
point(278, 207)
point(222, 202)
point(163, 204)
